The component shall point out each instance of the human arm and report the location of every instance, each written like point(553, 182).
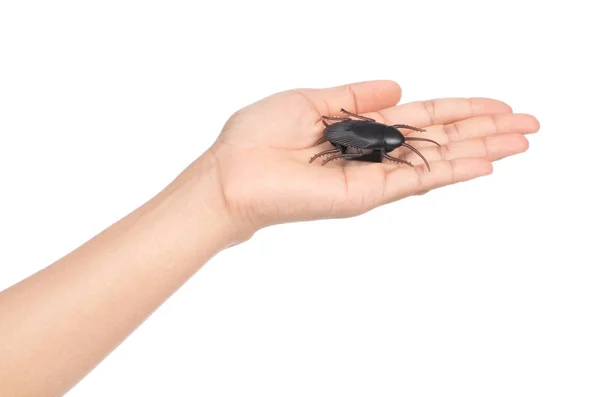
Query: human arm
point(56, 325)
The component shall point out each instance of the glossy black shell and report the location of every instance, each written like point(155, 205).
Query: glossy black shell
point(364, 135)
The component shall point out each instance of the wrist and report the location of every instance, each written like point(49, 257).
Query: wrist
point(198, 191)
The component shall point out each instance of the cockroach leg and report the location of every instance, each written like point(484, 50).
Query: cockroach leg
point(323, 153)
point(356, 115)
point(336, 118)
point(320, 141)
point(408, 127)
point(410, 138)
point(394, 159)
point(418, 154)
point(339, 156)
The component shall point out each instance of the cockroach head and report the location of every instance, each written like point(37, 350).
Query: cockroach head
point(393, 138)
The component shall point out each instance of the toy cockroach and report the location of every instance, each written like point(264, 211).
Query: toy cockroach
point(365, 134)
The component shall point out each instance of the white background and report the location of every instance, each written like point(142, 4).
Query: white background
point(487, 288)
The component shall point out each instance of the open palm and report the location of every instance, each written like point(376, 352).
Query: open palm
point(264, 149)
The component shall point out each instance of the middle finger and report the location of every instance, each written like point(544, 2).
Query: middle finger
point(476, 127)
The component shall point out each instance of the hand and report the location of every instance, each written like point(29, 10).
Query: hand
point(262, 155)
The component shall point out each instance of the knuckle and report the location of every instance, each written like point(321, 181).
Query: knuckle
point(353, 99)
point(485, 150)
point(430, 109)
point(452, 132)
point(452, 171)
point(420, 173)
point(444, 152)
point(495, 124)
point(470, 106)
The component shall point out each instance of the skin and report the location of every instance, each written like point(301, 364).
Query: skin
point(59, 323)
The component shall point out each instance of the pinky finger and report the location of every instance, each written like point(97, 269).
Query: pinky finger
point(404, 182)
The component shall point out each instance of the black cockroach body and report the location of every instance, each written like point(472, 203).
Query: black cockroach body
point(366, 134)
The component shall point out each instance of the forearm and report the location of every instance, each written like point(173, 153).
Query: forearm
point(56, 325)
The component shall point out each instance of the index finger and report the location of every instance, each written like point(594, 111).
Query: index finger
point(442, 111)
